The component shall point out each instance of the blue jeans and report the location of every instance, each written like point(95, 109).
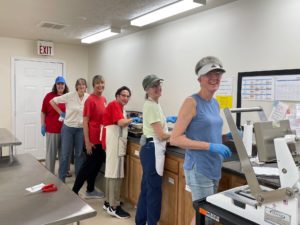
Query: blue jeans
point(71, 138)
point(149, 204)
point(200, 185)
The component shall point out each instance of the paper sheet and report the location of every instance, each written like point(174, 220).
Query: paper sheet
point(35, 188)
point(279, 111)
point(267, 171)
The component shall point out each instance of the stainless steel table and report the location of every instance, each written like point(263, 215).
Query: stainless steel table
point(18, 207)
point(7, 139)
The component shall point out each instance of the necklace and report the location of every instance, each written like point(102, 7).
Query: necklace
point(81, 97)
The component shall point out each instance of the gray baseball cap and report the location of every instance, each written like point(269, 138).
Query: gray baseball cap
point(150, 80)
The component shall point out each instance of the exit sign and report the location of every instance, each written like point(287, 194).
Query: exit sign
point(45, 48)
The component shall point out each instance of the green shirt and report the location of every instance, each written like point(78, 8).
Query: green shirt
point(152, 113)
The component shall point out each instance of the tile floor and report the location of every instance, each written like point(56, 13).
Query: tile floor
point(102, 217)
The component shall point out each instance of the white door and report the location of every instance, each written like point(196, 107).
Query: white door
point(32, 80)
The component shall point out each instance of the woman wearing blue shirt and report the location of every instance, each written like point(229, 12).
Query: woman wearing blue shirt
point(198, 130)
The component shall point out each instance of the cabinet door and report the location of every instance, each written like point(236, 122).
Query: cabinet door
point(125, 184)
point(169, 199)
point(135, 178)
point(185, 205)
point(229, 180)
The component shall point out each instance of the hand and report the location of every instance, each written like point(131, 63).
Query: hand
point(230, 137)
point(137, 119)
point(89, 148)
point(171, 119)
point(43, 130)
point(62, 115)
point(221, 149)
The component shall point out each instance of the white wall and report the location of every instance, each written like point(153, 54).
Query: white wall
point(247, 35)
point(75, 58)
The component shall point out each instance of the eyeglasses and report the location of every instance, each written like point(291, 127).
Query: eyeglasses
point(125, 96)
point(156, 85)
point(214, 73)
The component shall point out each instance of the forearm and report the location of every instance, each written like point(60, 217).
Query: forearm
point(124, 122)
point(186, 143)
point(86, 130)
point(42, 118)
point(55, 107)
point(159, 132)
point(164, 136)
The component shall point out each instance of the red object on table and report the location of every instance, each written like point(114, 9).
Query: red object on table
point(49, 188)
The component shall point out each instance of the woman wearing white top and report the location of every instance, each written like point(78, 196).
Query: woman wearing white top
point(72, 130)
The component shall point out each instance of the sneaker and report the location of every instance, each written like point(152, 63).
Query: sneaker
point(118, 212)
point(69, 174)
point(94, 194)
point(105, 205)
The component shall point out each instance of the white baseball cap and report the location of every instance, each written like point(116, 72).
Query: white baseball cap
point(208, 64)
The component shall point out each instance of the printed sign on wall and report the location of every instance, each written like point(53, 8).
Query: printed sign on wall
point(45, 48)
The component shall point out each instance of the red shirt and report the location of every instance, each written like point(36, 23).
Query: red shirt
point(51, 116)
point(94, 108)
point(113, 113)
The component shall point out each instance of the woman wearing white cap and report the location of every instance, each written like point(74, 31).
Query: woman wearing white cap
point(198, 130)
point(152, 154)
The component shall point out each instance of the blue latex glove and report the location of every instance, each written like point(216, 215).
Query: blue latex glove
point(230, 137)
point(43, 130)
point(221, 149)
point(136, 119)
point(171, 119)
point(62, 115)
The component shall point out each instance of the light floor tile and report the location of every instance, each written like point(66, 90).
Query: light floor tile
point(102, 217)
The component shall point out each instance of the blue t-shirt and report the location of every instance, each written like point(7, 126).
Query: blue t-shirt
point(205, 126)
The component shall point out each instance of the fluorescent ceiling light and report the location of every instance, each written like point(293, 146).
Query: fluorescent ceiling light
point(100, 36)
point(167, 11)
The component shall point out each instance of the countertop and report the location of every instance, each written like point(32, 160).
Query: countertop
point(7, 139)
point(231, 165)
point(18, 206)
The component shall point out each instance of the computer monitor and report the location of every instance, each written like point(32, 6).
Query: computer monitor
point(265, 132)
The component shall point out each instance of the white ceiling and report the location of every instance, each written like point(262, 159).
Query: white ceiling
point(22, 18)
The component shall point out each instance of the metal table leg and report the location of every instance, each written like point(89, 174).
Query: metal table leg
point(11, 154)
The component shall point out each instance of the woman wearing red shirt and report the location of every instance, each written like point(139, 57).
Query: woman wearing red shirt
point(116, 124)
point(50, 124)
point(93, 111)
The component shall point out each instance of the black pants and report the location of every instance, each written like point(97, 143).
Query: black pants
point(89, 169)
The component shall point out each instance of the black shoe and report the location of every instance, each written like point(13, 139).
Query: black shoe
point(118, 212)
point(105, 205)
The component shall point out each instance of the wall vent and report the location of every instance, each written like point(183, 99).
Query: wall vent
point(51, 25)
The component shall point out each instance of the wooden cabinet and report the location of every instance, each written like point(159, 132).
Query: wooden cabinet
point(125, 184)
point(170, 193)
point(135, 172)
point(135, 177)
point(230, 180)
point(185, 207)
point(177, 208)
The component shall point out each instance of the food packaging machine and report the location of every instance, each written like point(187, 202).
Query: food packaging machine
point(257, 203)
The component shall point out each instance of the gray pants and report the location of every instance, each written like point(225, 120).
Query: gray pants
point(113, 191)
point(53, 145)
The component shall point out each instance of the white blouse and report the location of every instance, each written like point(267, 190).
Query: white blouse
point(74, 108)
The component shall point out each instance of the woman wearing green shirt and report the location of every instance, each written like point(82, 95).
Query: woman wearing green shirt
point(152, 153)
